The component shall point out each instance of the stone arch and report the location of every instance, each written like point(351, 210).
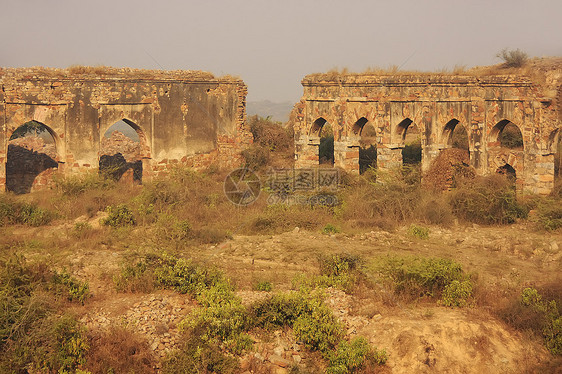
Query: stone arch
point(317, 126)
point(495, 137)
point(31, 160)
point(122, 151)
point(143, 139)
point(450, 132)
point(357, 127)
point(506, 155)
point(368, 145)
point(326, 144)
point(411, 154)
point(52, 133)
point(402, 128)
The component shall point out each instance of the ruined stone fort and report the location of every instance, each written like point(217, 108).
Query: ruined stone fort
point(195, 119)
point(183, 117)
point(436, 104)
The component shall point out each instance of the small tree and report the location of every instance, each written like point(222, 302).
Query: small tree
point(513, 58)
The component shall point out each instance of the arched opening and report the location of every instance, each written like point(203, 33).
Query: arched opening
point(367, 144)
point(508, 171)
point(507, 135)
point(317, 126)
point(557, 144)
point(32, 156)
point(358, 126)
point(326, 147)
point(121, 152)
point(506, 147)
point(456, 135)
point(411, 136)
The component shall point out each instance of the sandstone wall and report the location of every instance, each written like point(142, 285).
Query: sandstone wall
point(180, 117)
point(436, 104)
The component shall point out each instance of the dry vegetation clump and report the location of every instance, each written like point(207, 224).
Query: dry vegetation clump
point(118, 350)
point(273, 144)
point(487, 200)
point(101, 72)
point(448, 170)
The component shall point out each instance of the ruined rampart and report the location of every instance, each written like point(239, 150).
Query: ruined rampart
point(183, 117)
point(436, 104)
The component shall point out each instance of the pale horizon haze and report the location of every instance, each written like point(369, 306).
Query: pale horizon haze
point(272, 45)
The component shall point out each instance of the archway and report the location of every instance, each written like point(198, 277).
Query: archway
point(317, 126)
point(507, 148)
point(455, 135)
point(507, 135)
point(411, 137)
point(326, 146)
point(557, 144)
point(508, 171)
point(121, 152)
point(367, 144)
point(32, 157)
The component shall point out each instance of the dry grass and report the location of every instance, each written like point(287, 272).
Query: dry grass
point(534, 69)
point(119, 351)
point(100, 72)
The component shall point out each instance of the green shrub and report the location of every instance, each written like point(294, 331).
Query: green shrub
point(263, 286)
point(338, 270)
point(418, 231)
point(199, 356)
point(487, 200)
point(338, 264)
point(32, 336)
point(74, 289)
point(330, 229)
point(186, 277)
point(550, 319)
point(223, 323)
point(417, 277)
point(317, 327)
point(355, 355)
point(457, 293)
point(312, 321)
point(13, 211)
point(32, 215)
point(119, 216)
point(71, 345)
point(553, 336)
point(549, 214)
point(277, 311)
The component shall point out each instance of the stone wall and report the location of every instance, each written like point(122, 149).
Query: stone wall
point(181, 117)
point(436, 104)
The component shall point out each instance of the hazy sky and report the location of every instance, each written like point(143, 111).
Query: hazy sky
point(273, 44)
